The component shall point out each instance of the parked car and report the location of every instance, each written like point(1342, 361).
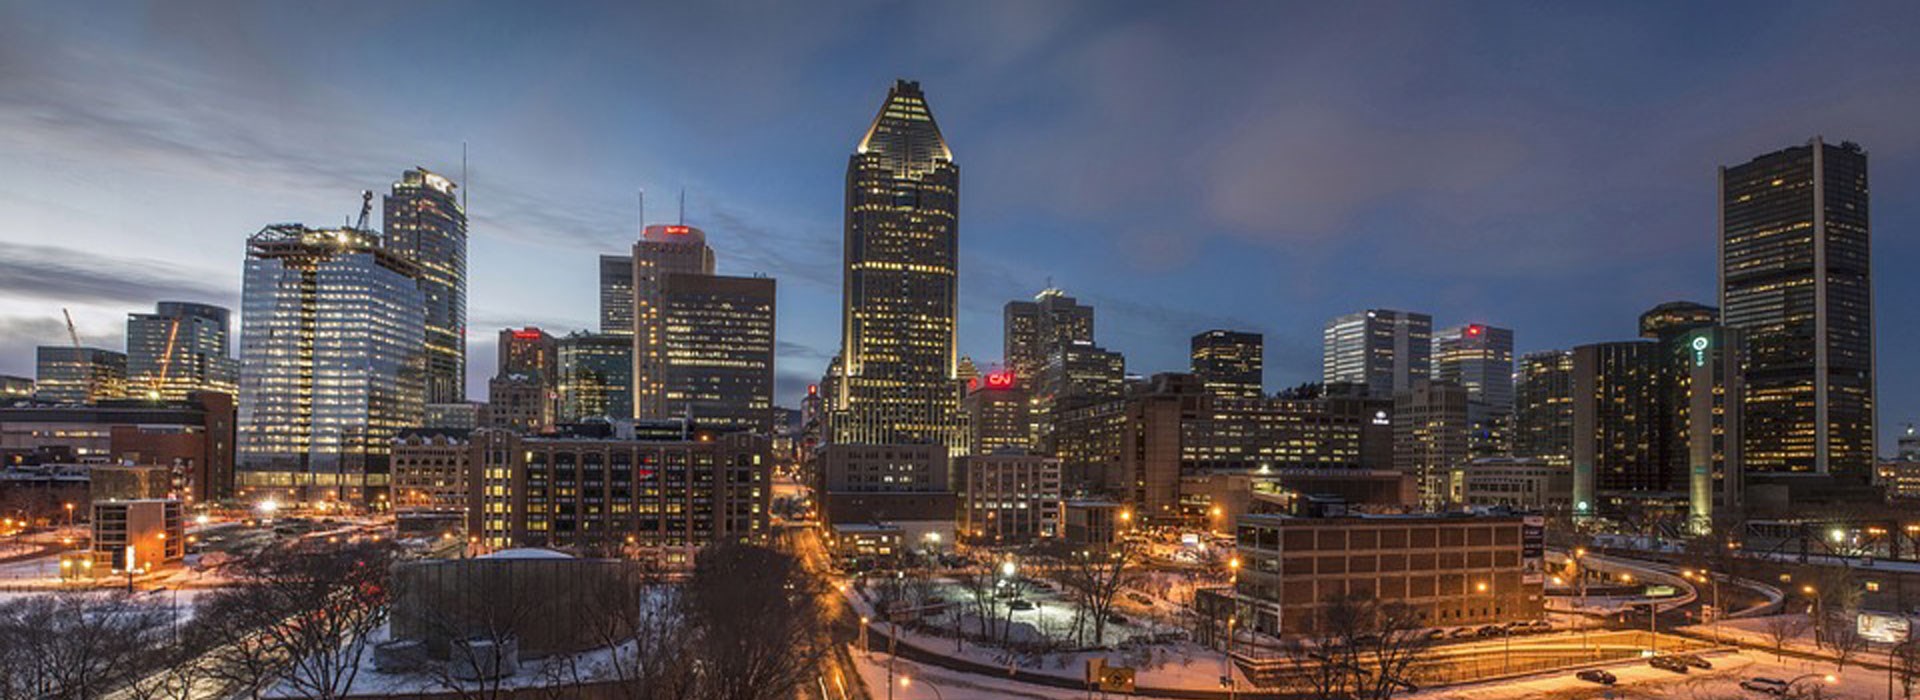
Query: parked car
point(1761, 684)
point(1116, 619)
point(1594, 675)
point(1020, 604)
point(1694, 661)
point(1667, 663)
point(1141, 599)
point(1436, 634)
point(1489, 631)
point(1459, 632)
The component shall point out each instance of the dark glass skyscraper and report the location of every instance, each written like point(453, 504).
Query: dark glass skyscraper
point(1479, 357)
point(900, 292)
point(1794, 280)
point(616, 294)
point(1035, 329)
point(426, 224)
point(1229, 363)
point(181, 347)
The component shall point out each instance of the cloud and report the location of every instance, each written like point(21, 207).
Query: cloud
point(70, 276)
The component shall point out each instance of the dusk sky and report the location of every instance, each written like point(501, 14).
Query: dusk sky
point(1264, 166)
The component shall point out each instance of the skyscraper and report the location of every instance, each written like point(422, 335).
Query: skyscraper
point(1229, 363)
point(900, 292)
point(1034, 328)
point(662, 250)
point(1430, 436)
point(594, 377)
point(1618, 425)
point(1543, 408)
point(182, 347)
point(332, 348)
point(78, 376)
point(616, 294)
point(1380, 349)
point(1794, 279)
point(427, 225)
point(1479, 358)
point(719, 348)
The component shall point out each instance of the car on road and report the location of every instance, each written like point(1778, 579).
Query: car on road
point(1694, 661)
point(1762, 684)
point(1668, 663)
point(1436, 634)
point(1594, 675)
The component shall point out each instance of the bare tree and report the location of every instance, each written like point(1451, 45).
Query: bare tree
point(1094, 576)
point(300, 616)
point(643, 622)
point(756, 622)
point(1358, 646)
point(1781, 629)
point(1845, 640)
point(77, 646)
point(1906, 662)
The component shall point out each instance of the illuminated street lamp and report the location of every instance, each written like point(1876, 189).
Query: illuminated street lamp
point(907, 681)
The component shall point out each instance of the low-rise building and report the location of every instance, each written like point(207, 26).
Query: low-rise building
point(1453, 569)
point(1009, 498)
point(1094, 522)
point(608, 495)
point(194, 437)
point(430, 470)
point(1519, 483)
point(142, 535)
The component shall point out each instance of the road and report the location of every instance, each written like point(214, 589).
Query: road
point(838, 678)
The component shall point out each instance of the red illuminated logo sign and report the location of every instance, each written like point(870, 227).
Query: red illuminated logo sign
point(1000, 380)
point(1473, 330)
point(528, 334)
point(678, 230)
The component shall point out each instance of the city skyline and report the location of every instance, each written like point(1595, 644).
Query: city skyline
point(1532, 248)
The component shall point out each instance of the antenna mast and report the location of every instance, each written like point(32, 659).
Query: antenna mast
point(643, 210)
point(683, 206)
point(466, 187)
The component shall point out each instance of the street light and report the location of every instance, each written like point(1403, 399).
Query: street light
point(906, 681)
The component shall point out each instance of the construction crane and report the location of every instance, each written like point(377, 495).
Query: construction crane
point(166, 362)
point(71, 333)
point(366, 209)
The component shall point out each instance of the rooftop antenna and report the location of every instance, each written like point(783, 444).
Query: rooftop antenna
point(466, 187)
point(683, 206)
point(643, 210)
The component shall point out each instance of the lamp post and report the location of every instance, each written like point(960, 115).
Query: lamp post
point(907, 681)
point(1817, 610)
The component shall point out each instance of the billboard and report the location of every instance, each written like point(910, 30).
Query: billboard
point(1533, 550)
point(1887, 629)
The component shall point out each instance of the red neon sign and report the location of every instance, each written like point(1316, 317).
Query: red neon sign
point(1473, 330)
point(678, 230)
point(1000, 380)
point(528, 334)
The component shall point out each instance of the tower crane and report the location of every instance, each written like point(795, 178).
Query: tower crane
point(71, 333)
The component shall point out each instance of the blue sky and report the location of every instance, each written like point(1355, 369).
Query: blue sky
point(1261, 166)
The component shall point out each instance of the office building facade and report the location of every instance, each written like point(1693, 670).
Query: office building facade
point(1381, 349)
point(605, 496)
point(1618, 421)
point(1795, 281)
point(1430, 436)
point(718, 347)
point(426, 224)
point(1230, 363)
point(616, 295)
point(78, 376)
point(998, 414)
point(594, 377)
point(1033, 329)
point(1008, 498)
point(333, 360)
point(900, 291)
point(1543, 407)
point(180, 348)
point(662, 251)
point(1479, 358)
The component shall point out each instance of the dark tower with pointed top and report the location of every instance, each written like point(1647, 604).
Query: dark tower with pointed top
point(900, 288)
